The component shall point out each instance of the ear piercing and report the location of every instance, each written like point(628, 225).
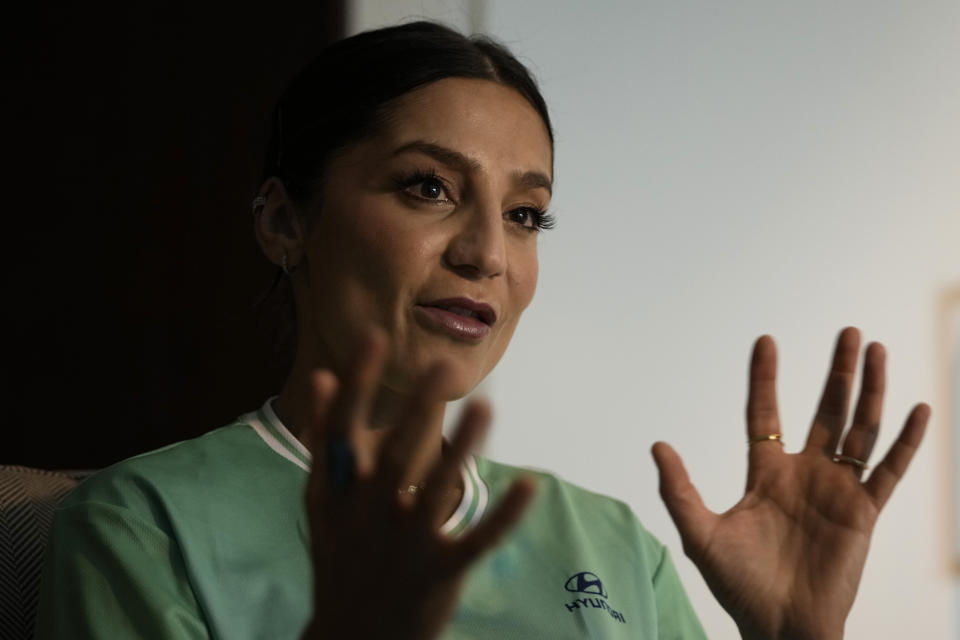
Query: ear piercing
point(259, 203)
point(288, 268)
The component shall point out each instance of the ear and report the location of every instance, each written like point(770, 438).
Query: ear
point(279, 226)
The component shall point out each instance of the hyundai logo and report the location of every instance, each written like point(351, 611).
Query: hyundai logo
point(586, 582)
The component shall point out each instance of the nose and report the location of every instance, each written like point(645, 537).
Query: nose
point(478, 248)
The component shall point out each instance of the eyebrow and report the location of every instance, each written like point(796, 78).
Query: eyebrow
point(455, 159)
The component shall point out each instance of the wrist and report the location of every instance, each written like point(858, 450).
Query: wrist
point(789, 633)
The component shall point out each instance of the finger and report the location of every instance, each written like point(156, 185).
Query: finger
point(887, 474)
point(763, 417)
point(859, 441)
point(440, 494)
point(492, 529)
point(832, 413)
point(691, 517)
point(411, 447)
point(350, 412)
point(311, 422)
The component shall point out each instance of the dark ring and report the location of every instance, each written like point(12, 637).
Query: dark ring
point(340, 462)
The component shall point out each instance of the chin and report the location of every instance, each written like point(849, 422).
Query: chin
point(460, 382)
point(458, 392)
point(463, 377)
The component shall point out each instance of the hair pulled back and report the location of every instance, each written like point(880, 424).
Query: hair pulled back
point(344, 94)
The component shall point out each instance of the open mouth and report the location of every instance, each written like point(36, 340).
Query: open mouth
point(461, 311)
point(466, 309)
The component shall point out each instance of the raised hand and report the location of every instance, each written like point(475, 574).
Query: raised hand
point(786, 560)
point(376, 500)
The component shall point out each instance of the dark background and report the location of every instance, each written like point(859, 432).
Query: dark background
point(132, 274)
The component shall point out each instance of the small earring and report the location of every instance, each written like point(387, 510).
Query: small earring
point(283, 264)
point(258, 203)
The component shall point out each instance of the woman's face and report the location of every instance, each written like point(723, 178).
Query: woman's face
point(429, 231)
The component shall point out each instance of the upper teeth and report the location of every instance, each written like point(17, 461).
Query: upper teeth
point(460, 311)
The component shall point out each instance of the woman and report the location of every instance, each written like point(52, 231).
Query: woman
point(409, 173)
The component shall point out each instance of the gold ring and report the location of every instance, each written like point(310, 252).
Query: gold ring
point(411, 489)
point(776, 437)
point(842, 459)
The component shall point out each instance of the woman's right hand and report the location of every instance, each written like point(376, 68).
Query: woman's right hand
point(382, 568)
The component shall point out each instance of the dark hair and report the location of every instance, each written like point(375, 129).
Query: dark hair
point(343, 96)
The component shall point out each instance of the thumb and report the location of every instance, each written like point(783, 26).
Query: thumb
point(692, 519)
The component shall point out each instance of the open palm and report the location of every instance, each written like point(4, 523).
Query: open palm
point(786, 560)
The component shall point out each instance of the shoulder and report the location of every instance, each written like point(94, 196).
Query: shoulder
point(140, 482)
point(554, 490)
point(563, 506)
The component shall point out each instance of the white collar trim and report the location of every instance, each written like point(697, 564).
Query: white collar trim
point(254, 421)
point(280, 427)
point(469, 472)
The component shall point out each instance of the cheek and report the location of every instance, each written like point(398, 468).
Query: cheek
point(378, 261)
point(523, 274)
point(521, 286)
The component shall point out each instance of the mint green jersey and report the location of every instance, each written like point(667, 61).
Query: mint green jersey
point(208, 539)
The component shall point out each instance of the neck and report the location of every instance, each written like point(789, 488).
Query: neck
point(386, 407)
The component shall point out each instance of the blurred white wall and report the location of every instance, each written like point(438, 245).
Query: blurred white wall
point(725, 170)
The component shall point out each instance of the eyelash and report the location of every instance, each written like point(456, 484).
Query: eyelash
point(542, 221)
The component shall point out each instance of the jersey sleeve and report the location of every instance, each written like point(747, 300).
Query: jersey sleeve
point(110, 574)
point(676, 619)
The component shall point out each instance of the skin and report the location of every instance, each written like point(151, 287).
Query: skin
point(375, 250)
point(785, 561)
point(368, 372)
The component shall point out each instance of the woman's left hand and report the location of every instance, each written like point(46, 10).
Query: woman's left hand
point(786, 560)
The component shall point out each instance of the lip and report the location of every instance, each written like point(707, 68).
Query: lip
point(482, 309)
point(435, 315)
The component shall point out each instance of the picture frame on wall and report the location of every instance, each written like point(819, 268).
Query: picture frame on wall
point(950, 330)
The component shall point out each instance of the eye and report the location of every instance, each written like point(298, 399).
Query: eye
point(426, 186)
point(531, 218)
point(431, 189)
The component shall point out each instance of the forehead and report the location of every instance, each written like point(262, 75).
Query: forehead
point(486, 121)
